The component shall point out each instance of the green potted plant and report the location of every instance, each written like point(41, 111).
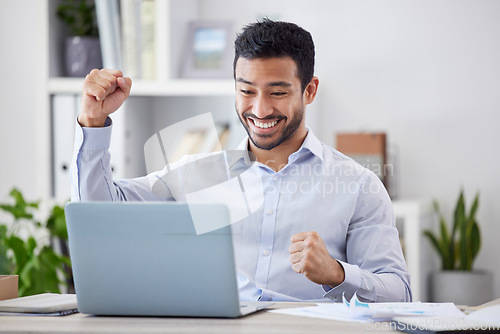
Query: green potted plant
point(23, 251)
point(457, 248)
point(82, 48)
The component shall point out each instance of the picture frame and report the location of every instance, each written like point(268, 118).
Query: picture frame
point(209, 50)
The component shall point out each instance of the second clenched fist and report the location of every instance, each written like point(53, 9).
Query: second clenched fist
point(104, 91)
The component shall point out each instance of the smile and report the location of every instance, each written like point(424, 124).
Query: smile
point(265, 125)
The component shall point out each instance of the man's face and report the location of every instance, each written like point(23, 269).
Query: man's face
point(269, 100)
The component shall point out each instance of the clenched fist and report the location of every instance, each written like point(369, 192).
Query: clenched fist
point(104, 91)
point(310, 257)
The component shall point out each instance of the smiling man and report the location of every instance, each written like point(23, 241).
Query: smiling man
point(270, 103)
point(326, 226)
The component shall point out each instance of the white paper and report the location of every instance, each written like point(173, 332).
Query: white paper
point(357, 311)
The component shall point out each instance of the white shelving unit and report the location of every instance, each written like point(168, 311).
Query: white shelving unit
point(149, 99)
point(174, 87)
point(412, 217)
point(169, 47)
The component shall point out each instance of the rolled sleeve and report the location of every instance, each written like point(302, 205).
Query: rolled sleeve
point(92, 178)
point(95, 139)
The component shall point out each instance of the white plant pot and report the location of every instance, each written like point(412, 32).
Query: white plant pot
point(462, 287)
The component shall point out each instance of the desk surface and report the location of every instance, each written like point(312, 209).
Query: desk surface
point(261, 322)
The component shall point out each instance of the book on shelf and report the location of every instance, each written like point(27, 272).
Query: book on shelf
point(108, 22)
point(148, 58)
point(127, 36)
point(130, 19)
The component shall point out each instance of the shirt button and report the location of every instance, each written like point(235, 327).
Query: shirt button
point(266, 252)
point(270, 211)
point(275, 178)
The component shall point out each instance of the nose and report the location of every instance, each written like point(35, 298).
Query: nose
point(262, 107)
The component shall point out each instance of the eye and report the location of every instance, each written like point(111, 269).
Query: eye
point(246, 92)
point(278, 93)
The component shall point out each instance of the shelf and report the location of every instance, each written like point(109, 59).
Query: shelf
point(177, 87)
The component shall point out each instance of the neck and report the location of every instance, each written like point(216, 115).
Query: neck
point(277, 158)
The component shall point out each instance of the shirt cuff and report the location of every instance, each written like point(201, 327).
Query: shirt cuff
point(95, 138)
point(349, 286)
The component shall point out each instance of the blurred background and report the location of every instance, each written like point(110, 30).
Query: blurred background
point(426, 73)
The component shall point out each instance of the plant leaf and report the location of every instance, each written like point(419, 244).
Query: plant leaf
point(26, 273)
point(447, 243)
point(79, 16)
point(474, 207)
point(439, 249)
point(448, 252)
point(475, 242)
point(460, 224)
point(20, 208)
point(56, 223)
point(5, 263)
point(459, 214)
point(20, 252)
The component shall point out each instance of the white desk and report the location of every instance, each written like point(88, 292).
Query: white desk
point(262, 323)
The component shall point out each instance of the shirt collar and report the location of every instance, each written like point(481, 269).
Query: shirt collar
point(311, 143)
point(240, 154)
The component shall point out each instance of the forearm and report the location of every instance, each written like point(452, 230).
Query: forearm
point(91, 176)
point(90, 171)
point(384, 287)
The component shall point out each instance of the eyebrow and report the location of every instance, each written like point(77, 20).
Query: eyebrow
point(271, 84)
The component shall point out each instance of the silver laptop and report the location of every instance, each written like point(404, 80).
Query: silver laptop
point(145, 259)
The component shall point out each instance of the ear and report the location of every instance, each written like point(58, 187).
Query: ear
point(311, 90)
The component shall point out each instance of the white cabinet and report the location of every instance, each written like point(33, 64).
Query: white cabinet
point(412, 218)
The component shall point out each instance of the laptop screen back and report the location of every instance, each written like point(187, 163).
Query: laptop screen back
point(141, 258)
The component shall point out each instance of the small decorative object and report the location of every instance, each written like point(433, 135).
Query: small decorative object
point(373, 151)
point(8, 286)
point(82, 48)
point(457, 281)
point(209, 52)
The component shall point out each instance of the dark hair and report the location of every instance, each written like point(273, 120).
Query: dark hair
point(269, 39)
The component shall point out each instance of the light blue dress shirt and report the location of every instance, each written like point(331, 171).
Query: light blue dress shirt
point(319, 190)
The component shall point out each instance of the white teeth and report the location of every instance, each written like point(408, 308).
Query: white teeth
point(265, 125)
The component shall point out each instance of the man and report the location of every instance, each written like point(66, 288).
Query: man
point(326, 226)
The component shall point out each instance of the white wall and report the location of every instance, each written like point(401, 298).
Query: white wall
point(426, 72)
point(19, 63)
